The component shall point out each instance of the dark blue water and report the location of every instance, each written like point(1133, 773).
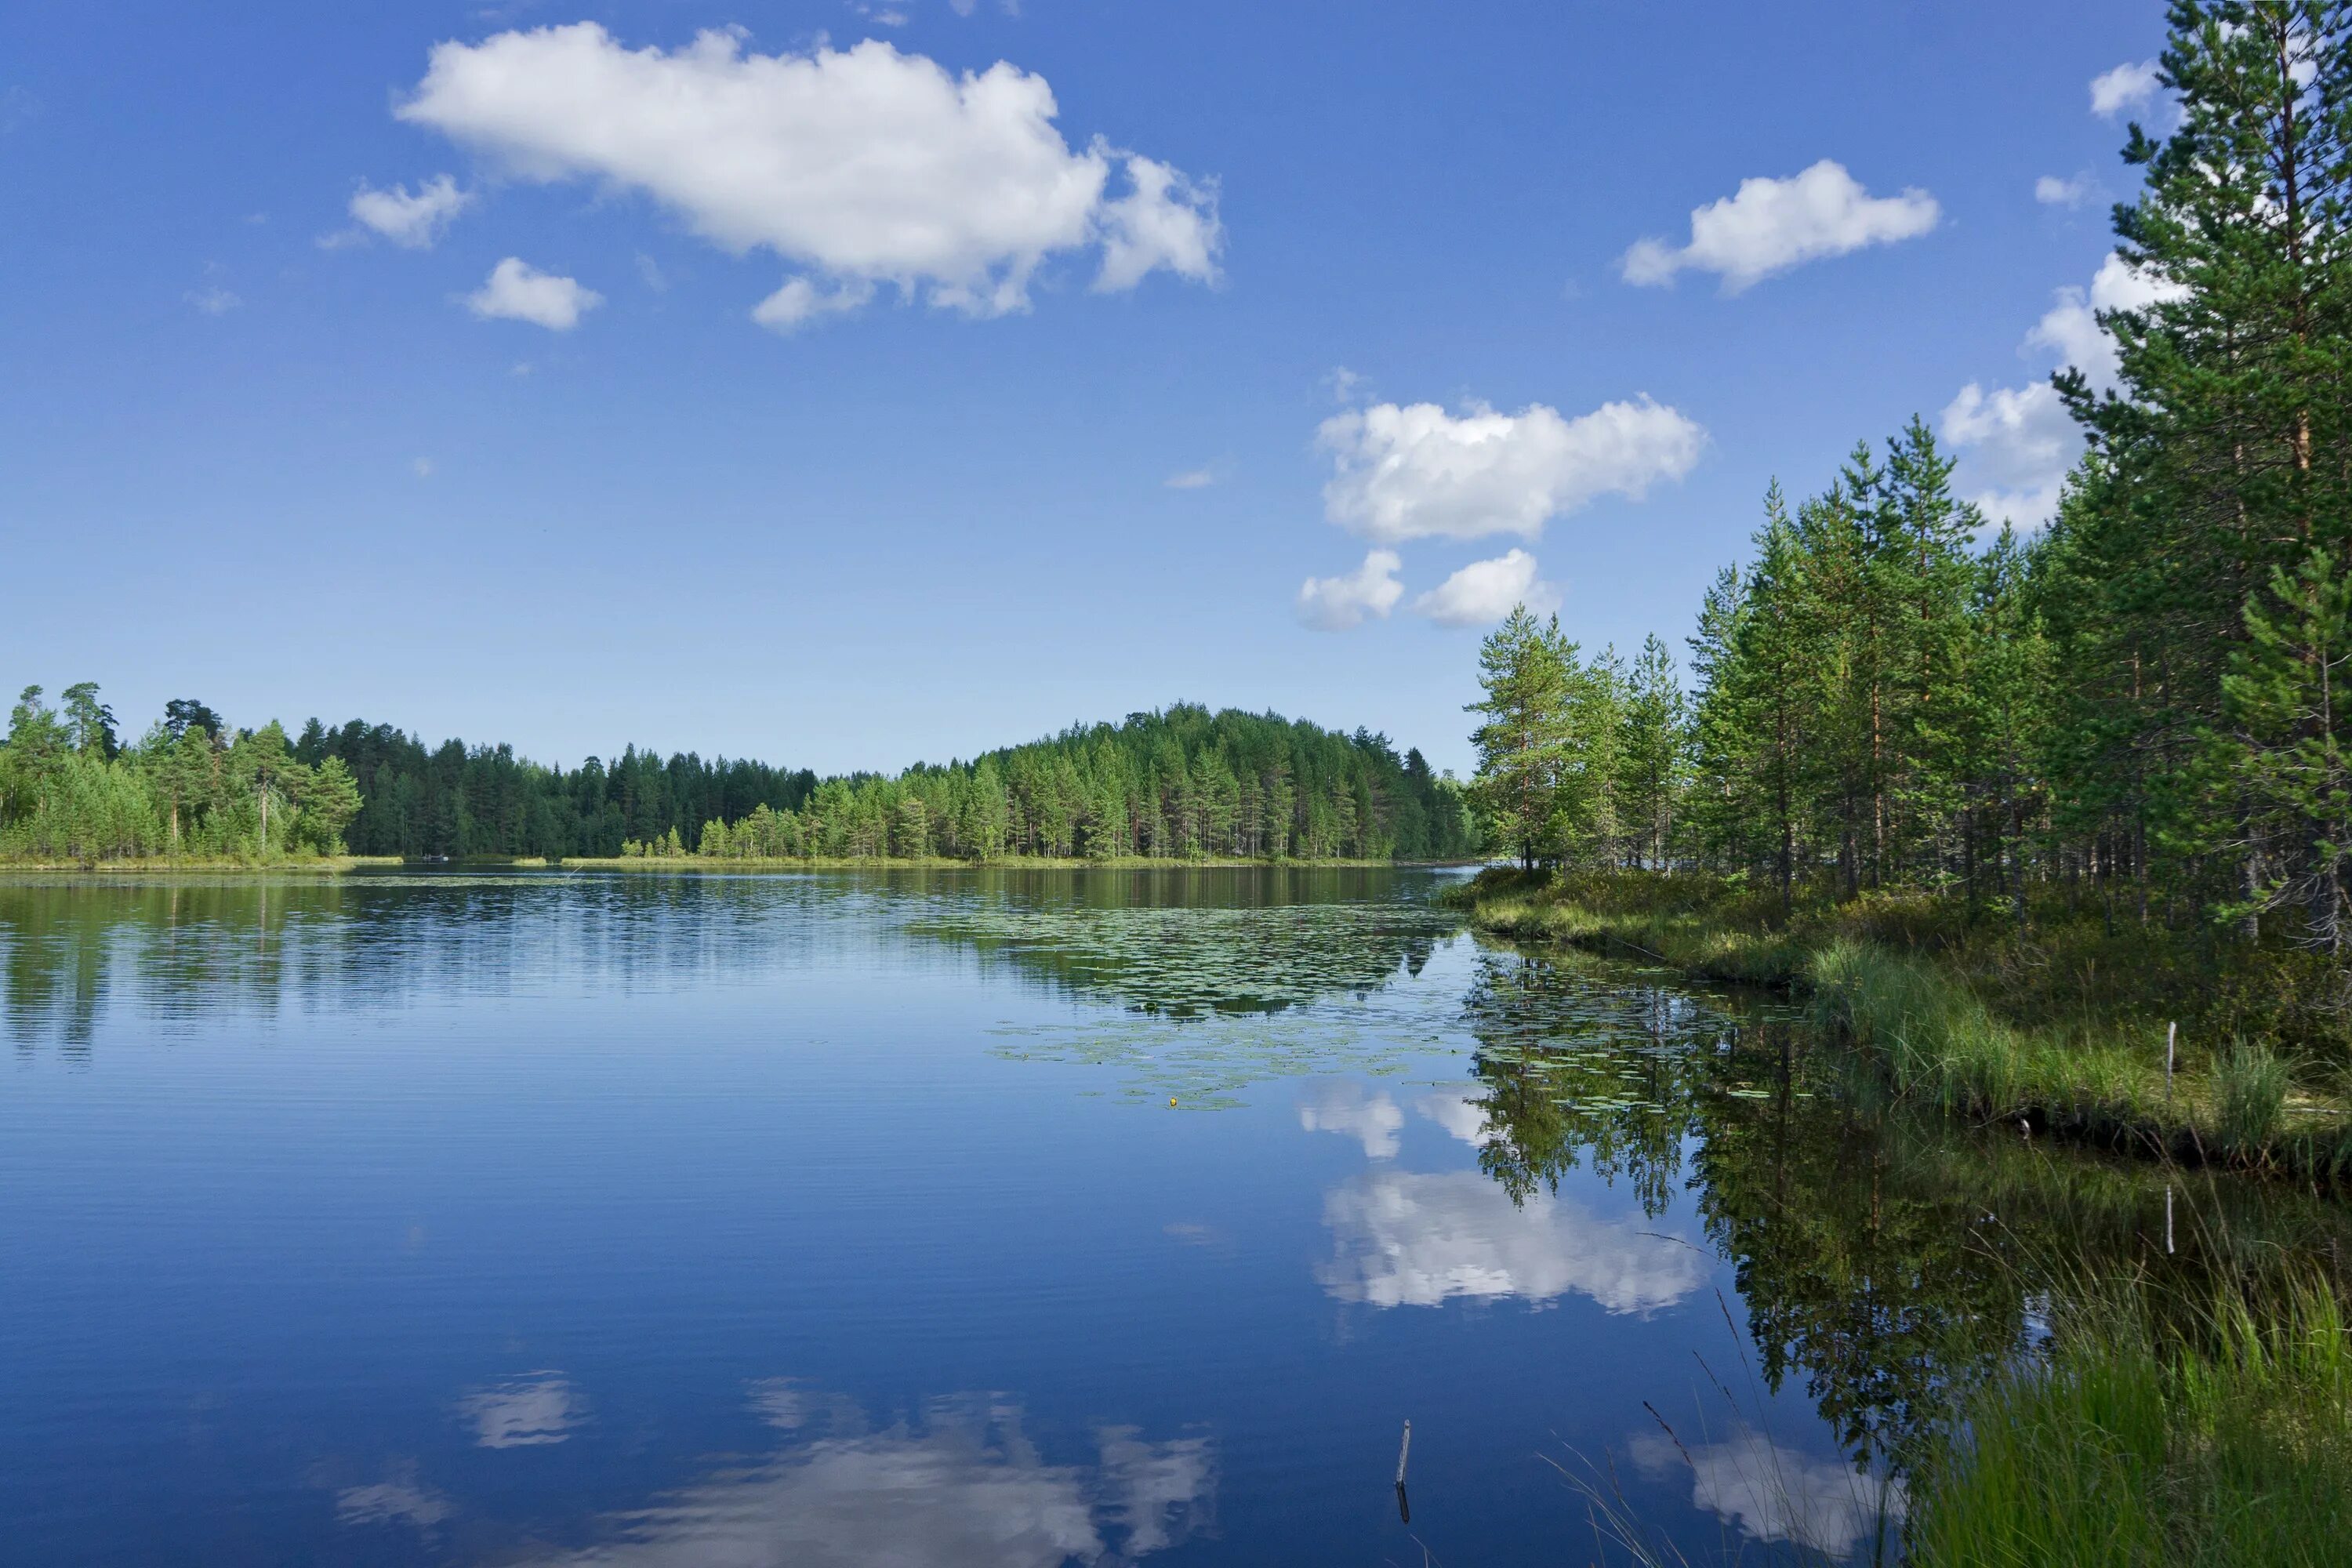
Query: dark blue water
point(979, 1220)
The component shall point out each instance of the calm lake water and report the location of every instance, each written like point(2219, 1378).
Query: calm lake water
point(987, 1219)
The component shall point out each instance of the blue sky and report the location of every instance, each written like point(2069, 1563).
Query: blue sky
point(255, 450)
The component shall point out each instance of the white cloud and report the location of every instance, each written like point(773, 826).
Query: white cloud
point(1165, 219)
point(863, 166)
point(801, 302)
point(421, 467)
point(1776, 1493)
point(2071, 330)
point(214, 300)
point(1343, 1106)
point(523, 1413)
point(1771, 225)
point(414, 221)
point(1190, 479)
point(518, 291)
point(2052, 192)
point(1336, 604)
point(1401, 1239)
point(2127, 86)
point(1485, 591)
point(2016, 445)
point(1418, 472)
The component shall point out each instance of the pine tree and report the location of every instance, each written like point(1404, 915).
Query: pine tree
point(1524, 745)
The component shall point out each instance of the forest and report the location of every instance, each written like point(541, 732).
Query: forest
point(2132, 709)
point(1182, 783)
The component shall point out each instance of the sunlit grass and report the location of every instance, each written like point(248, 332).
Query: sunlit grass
point(2225, 1442)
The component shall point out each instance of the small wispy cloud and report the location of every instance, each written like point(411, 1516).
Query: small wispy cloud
point(1190, 479)
point(518, 291)
point(2127, 86)
point(2052, 192)
point(214, 300)
point(421, 467)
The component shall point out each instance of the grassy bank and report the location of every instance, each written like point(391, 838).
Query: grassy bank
point(2137, 1445)
point(296, 863)
point(2062, 1030)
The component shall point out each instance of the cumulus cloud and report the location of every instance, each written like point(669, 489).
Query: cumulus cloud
point(518, 291)
point(2052, 192)
point(2127, 86)
point(1418, 472)
point(1345, 1107)
point(1484, 592)
point(1165, 219)
point(2016, 445)
point(2071, 330)
point(522, 1413)
point(412, 221)
point(1772, 1492)
point(858, 167)
point(967, 1489)
point(1406, 1240)
point(1769, 226)
point(1336, 604)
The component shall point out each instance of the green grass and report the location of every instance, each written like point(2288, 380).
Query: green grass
point(2228, 1443)
point(2073, 1045)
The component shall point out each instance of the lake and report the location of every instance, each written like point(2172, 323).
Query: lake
point(987, 1218)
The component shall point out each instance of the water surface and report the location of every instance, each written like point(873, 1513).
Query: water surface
point(1019, 1219)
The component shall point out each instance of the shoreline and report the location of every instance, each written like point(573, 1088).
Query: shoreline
point(1918, 1022)
point(333, 864)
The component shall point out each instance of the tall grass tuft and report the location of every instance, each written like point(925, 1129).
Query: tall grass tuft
point(2228, 1441)
point(2250, 1089)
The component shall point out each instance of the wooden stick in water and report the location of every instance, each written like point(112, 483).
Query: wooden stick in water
point(1404, 1449)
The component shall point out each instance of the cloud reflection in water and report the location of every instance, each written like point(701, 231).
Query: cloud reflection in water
point(1777, 1493)
point(535, 1408)
point(1404, 1240)
point(965, 1490)
point(1343, 1106)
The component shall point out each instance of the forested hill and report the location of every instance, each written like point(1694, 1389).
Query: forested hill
point(1182, 783)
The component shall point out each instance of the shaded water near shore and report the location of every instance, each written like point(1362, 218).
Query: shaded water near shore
point(989, 1218)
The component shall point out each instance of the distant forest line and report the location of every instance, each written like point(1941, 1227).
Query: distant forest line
point(1180, 784)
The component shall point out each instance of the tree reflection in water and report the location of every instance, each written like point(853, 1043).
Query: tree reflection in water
point(1887, 1263)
